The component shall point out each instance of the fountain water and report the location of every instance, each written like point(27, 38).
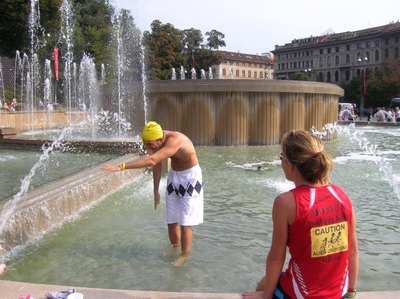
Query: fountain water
point(173, 74)
point(203, 74)
point(182, 73)
point(194, 74)
point(210, 74)
point(235, 233)
point(229, 249)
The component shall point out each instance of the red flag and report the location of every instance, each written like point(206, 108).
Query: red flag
point(193, 64)
point(56, 63)
point(364, 85)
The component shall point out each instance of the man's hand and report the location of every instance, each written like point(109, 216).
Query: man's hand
point(156, 200)
point(110, 168)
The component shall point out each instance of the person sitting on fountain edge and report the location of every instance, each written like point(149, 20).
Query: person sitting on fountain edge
point(184, 197)
point(316, 221)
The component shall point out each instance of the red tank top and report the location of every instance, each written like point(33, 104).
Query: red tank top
point(318, 242)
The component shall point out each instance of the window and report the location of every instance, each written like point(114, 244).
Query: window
point(336, 76)
point(237, 73)
point(359, 45)
point(367, 44)
point(249, 74)
point(347, 47)
point(329, 61)
point(386, 53)
point(376, 55)
point(396, 53)
point(337, 49)
point(244, 73)
point(321, 51)
point(396, 39)
point(386, 41)
point(377, 43)
point(347, 58)
point(347, 75)
point(261, 74)
point(337, 60)
point(255, 74)
point(224, 72)
point(329, 50)
point(367, 57)
point(328, 77)
point(321, 62)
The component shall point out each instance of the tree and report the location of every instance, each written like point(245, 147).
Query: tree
point(94, 20)
point(215, 39)
point(382, 85)
point(300, 76)
point(14, 14)
point(164, 46)
point(168, 47)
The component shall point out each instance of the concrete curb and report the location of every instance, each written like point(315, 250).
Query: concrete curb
point(14, 290)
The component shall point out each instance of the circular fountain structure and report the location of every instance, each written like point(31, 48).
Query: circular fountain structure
point(233, 112)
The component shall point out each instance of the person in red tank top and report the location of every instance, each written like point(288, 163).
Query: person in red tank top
point(317, 222)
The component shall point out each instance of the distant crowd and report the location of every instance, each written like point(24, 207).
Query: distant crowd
point(379, 114)
point(8, 105)
point(11, 105)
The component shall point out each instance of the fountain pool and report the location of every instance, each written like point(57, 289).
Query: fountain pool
point(116, 243)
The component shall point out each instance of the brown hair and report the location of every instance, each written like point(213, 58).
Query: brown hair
point(306, 152)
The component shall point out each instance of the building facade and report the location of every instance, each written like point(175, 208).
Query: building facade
point(237, 65)
point(338, 56)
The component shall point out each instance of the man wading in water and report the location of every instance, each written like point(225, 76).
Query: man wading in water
point(184, 197)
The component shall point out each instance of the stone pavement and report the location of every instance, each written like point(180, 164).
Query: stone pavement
point(15, 290)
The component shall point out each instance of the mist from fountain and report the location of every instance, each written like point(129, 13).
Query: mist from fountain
point(194, 74)
point(173, 74)
point(203, 74)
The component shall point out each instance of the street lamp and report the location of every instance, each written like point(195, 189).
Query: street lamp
point(363, 86)
point(308, 71)
point(191, 64)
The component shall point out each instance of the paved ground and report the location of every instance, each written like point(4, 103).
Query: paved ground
point(15, 290)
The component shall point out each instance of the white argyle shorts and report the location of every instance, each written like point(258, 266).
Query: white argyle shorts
point(184, 199)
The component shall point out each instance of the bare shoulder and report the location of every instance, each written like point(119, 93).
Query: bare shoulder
point(285, 204)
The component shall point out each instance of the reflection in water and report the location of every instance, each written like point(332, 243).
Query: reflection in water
point(116, 244)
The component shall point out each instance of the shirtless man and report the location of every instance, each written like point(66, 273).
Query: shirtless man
point(184, 184)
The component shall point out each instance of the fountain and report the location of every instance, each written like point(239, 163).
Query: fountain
point(203, 74)
point(173, 75)
point(57, 220)
point(229, 248)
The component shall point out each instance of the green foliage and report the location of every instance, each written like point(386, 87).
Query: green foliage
point(163, 50)
point(13, 27)
point(215, 39)
point(300, 76)
point(382, 85)
point(168, 47)
point(99, 34)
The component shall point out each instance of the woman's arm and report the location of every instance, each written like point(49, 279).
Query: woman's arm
point(353, 257)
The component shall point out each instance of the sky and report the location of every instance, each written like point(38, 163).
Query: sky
point(256, 26)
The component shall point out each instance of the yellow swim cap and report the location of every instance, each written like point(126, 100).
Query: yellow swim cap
point(152, 131)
